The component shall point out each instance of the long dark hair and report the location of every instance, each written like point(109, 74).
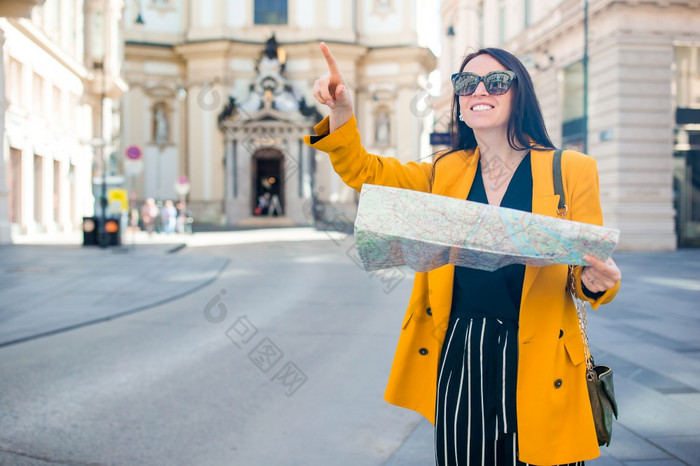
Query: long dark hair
point(525, 126)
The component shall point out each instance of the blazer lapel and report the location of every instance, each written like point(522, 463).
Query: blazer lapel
point(461, 168)
point(544, 201)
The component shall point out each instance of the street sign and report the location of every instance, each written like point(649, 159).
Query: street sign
point(133, 167)
point(182, 186)
point(117, 199)
point(133, 153)
point(440, 139)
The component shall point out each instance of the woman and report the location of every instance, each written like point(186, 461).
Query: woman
point(493, 359)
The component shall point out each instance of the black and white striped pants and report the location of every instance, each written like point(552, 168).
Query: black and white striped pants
point(475, 406)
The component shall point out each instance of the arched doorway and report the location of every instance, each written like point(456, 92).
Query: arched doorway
point(268, 182)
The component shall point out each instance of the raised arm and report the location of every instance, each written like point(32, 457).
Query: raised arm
point(338, 136)
point(332, 91)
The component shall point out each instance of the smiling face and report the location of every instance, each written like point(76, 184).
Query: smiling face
point(482, 111)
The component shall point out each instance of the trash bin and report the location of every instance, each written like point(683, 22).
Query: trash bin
point(113, 231)
point(90, 231)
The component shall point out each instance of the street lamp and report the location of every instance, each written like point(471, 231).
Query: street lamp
point(585, 77)
point(103, 235)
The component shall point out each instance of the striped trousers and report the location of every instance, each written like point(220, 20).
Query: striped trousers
point(475, 415)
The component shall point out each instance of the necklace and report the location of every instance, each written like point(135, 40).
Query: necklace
point(502, 172)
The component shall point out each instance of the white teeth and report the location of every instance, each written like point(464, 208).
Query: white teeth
point(479, 108)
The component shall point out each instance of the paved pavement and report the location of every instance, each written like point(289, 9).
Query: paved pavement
point(53, 283)
point(649, 334)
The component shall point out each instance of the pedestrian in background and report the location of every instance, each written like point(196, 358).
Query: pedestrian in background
point(149, 215)
point(184, 219)
point(493, 359)
point(168, 216)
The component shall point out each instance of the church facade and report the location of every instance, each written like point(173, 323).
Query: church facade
point(220, 97)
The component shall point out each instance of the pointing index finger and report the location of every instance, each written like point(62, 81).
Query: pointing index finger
point(330, 60)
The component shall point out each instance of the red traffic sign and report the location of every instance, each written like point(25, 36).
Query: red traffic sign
point(133, 153)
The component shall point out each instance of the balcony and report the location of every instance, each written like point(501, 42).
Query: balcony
point(18, 8)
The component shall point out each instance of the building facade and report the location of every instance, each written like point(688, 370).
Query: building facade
point(61, 68)
point(639, 64)
point(221, 96)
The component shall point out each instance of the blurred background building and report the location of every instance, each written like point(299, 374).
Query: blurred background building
point(639, 65)
point(210, 100)
point(221, 96)
point(61, 70)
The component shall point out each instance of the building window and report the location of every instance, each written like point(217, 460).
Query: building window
point(526, 14)
point(573, 121)
point(57, 191)
point(481, 23)
point(686, 156)
point(14, 84)
point(38, 190)
point(15, 186)
point(270, 11)
point(382, 5)
point(38, 95)
point(501, 21)
point(687, 76)
point(57, 105)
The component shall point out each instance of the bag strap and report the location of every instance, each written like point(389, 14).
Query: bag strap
point(562, 208)
point(581, 312)
point(580, 305)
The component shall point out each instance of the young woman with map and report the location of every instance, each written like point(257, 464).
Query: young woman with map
point(494, 359)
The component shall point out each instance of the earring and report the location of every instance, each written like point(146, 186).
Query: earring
point(461, 117)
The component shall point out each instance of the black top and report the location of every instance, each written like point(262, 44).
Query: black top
point(479, 293)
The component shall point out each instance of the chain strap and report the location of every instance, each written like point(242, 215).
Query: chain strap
point(581, 311)
point(562, 210)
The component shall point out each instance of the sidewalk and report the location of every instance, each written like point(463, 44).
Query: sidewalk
point(51, 283)
point(174, 241)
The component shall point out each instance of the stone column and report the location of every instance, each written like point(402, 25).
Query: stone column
point(631, 137)
point(231, 173)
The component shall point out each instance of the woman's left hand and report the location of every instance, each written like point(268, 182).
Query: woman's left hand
point(600, 275)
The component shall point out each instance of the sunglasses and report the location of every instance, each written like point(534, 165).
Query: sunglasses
point(495, 82)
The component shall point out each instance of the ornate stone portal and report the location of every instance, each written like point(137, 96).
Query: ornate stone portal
point(269, 170)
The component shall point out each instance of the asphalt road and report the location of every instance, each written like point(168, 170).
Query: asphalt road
point(277, 353)
point(267, 365)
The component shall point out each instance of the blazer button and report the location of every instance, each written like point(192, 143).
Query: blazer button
point(561, 333)
point(423, 351)
point(429, 311)
point(557, 383)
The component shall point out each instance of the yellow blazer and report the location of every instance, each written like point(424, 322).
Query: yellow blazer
point(555, 423)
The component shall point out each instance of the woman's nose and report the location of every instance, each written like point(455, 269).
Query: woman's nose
point(480, 89)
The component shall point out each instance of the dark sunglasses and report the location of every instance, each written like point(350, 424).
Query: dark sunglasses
point(496, 82)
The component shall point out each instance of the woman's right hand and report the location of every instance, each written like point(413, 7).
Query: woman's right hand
point(332, 90)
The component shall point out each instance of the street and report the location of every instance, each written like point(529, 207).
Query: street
point(197, 380)
point(277, 353)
